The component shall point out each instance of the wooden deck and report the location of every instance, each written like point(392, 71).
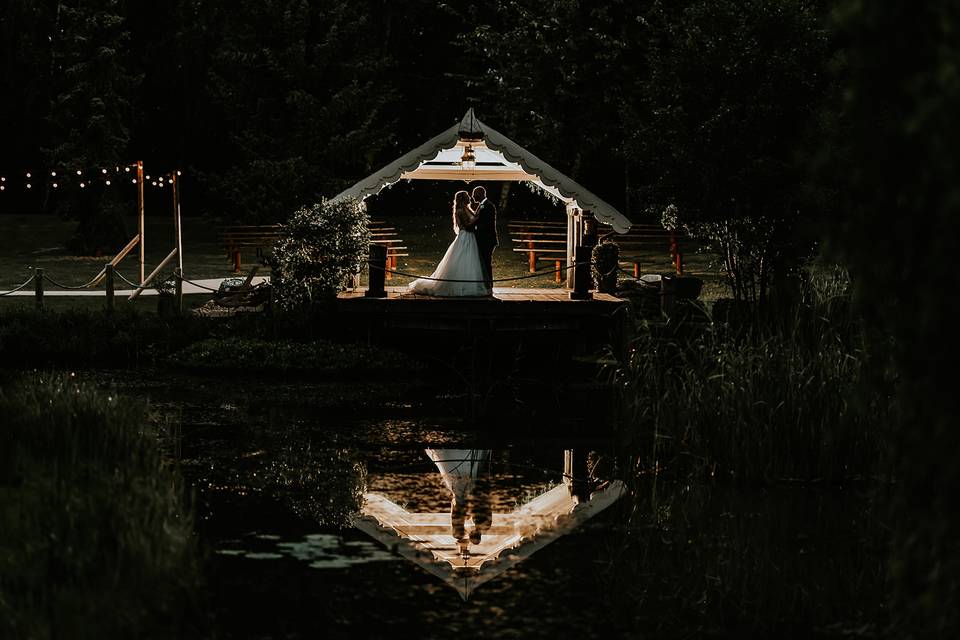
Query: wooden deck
point(509, 310)
point(504, 294)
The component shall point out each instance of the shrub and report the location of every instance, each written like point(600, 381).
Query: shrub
point(319, 357)
point(320, 248)
point(95, 537)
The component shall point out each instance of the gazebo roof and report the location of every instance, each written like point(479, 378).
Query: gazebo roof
point(498, 158)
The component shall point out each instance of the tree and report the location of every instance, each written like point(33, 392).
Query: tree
point(90, 114)
point(894, 166)
point(727, 105)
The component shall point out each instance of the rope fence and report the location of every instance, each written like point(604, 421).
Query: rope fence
point(15, 289)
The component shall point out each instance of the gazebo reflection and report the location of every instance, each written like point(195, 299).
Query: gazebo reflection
point(472, 543)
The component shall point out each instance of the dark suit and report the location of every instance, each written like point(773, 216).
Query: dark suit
point(487, 241)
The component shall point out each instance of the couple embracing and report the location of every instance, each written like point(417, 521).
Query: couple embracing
point(466, 268)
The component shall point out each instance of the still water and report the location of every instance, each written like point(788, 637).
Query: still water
point(326, 519)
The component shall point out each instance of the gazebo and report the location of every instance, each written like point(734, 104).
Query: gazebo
point(474, 151)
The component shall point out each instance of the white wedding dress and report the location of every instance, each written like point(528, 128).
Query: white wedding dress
point(459, 274)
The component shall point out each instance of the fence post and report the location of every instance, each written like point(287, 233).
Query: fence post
point(377, 264)
point(581, 274)
point(178, 290)
point(108, 284)
point(668, 295)
point(38, 287)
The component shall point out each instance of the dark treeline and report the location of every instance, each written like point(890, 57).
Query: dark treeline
point(270, 105)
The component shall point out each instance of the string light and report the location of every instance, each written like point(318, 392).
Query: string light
point(108, 183)
point(28, 174)
point(55, 185)
point(79, 172)
point(127, 169)
point(134, 181)
point(82, 185)
point(178, 171)
point(2, 188)
point(154, 183)
point(148, 177)
point(29, 186)
point(103, 170)
point(3, 179)
point(53, 174)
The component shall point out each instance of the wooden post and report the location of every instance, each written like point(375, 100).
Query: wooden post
point(376, 263)
point(236, 260)
point(108, 285)
point(668, 295)
point(178, 289)
point(38, 287)
point(571, 244)
point(582, 276)
point(531, 255)
point(557, 270)
point(140, 218)
point(175, 184)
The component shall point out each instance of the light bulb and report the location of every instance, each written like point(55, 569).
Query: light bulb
point(82, 185)
point(134, 181)
point(53, 173)
point(127, 169)
point(79, 172)
point(108, 183)
point(28, 174)
point(2, 188)
point(29, 186)
point(55, 185)
point(103, 170)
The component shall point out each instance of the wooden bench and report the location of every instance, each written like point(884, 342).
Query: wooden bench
point(240, 237)
point(547, 240)
point(645, 241)
point(541, 240)
point(383, 234)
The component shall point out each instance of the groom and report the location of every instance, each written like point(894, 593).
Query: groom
point(486, 230)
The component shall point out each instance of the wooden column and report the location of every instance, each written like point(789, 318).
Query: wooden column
point(140, 219)
point(571, 242)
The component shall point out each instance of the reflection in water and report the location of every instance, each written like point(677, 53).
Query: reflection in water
point(472, 543)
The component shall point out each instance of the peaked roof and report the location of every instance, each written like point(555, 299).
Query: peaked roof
point(424, 538)
point(498, 158)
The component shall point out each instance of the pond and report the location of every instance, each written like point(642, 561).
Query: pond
point(326, 515)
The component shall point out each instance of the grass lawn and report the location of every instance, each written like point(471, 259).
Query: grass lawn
point(33, 241)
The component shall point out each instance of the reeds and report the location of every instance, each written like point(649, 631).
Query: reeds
point(782, 398)
point(96, 536)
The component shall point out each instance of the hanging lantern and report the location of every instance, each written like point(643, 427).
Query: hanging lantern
point(468, 161)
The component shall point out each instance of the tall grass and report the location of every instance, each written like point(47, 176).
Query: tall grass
point(781, 398)
point(96, 539)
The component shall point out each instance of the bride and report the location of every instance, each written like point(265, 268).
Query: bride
point(460, 272)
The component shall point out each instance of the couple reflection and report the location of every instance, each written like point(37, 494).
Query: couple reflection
point(466, 474)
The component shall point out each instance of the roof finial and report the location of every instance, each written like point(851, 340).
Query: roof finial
point(470, 128)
